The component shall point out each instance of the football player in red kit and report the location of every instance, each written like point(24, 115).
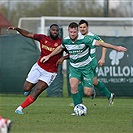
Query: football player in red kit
point(41, 74)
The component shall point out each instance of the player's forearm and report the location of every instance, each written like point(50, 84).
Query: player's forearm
point(22, 32)
point(106, 45)
point(66, 57)
point(103, 53)
point(56, 51)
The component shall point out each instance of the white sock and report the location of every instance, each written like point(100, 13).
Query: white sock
point(20, 108)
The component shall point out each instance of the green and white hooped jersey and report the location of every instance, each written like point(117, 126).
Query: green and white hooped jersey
point(79, 51)
point(93, 48)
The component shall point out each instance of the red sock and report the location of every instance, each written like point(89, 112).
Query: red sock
point(29, 100)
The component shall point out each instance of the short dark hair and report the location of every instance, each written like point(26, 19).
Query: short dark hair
point(54, 25)
point(73, 25)
point(82, 21)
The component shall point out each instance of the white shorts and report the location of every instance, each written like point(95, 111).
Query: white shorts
point(37, 73)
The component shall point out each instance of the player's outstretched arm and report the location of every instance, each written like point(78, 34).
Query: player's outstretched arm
point(102, 60)
point(22, 32)
point(107, 45)
point(55, 52)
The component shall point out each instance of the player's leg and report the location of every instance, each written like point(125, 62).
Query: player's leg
point(28, 88)
point(103, 89)
point(40, 87)
point(74, 77)
point(31, 79)
point(43, 81)
point(87, 81)
point(74, 91)
point(93, 95)
point(81, 89)
point(88, 88)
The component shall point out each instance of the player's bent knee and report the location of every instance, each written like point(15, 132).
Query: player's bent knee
point(88, 92)
point(74, 91)
point(28, 86)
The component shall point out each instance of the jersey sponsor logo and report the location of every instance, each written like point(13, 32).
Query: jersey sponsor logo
point(47, 48)
point(74, 46)
point(75, 51)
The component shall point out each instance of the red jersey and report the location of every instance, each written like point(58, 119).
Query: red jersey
point(48, 45)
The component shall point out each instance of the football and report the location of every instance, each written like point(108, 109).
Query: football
point(80, 110)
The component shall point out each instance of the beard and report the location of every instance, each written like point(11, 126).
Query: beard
point(54, 37)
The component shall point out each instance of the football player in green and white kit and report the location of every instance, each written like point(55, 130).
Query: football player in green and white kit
point(83, 28)
point(80, 60)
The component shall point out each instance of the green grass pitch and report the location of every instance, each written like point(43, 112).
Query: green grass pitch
point(52, 115)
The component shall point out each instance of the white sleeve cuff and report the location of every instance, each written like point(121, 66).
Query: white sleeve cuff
point(93, 44)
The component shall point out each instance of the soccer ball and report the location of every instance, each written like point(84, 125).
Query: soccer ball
point(80, 110)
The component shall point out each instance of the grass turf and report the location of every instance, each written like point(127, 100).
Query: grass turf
point(52, 115)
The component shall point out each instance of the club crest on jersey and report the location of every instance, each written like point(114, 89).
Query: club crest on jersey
point(79, 46)
point(56, 44)
point(46, 42)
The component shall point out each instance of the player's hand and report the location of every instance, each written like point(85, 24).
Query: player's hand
point(121, 49)
point(10, 28)
point(60, 61)
point(101, 62)
point(44, 59)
